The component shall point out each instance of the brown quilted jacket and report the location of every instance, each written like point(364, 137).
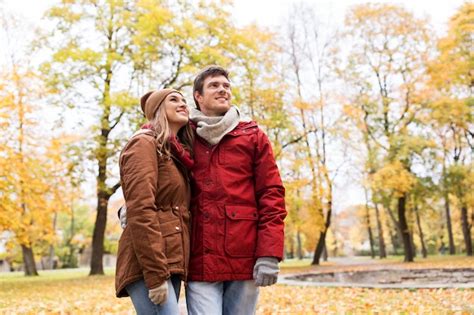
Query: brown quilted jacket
point(155, 242)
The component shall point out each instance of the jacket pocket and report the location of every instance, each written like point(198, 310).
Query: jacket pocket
point(172, 236)
point(240, 231)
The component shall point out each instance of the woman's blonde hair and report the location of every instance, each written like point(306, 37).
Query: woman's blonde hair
point(163, 132)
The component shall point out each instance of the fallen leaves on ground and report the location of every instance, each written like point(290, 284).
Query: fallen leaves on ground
point(310, 300)
point(73, 292)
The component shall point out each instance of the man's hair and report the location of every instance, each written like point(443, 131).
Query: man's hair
point(209, 71)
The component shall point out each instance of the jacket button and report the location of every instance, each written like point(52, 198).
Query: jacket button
point(177, 228)
point(254, 214)
point(233, 214)
point(206, 215)
point(177, 208)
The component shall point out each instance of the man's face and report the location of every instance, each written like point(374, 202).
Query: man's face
point(216, 96)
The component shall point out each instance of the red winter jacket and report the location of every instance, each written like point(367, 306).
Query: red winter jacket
point(237, 207)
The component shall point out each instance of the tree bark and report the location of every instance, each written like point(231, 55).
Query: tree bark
point(412, 242)
point(424, 252)
point(103, 193)
point(29, 261)
point(291, 252)
point(97, 267)
point(325, 251)
point(299, 248)
point(397, 239)
point(369, 230)
point(382, 248)
point(466, 230)
point(318, 251)
point(452, 248)
point(405, 232)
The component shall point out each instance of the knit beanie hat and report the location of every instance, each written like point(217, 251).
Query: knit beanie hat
point(151, 101)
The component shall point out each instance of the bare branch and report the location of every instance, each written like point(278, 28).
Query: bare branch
point(114, 188)
point(293, 141)
point(117, 120)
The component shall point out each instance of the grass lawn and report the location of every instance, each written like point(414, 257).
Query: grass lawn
point(73, 292)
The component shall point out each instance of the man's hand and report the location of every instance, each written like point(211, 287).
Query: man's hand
point(159, 295)
point(123, 216)
point(265, 271)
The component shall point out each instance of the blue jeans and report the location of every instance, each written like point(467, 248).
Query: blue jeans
point(221, 298)
point(138, 292)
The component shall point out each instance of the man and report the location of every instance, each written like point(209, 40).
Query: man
point(237, 206)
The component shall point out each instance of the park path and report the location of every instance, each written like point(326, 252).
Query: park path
point(354, 264)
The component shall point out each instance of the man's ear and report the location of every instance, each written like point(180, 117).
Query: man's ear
point(197, 96)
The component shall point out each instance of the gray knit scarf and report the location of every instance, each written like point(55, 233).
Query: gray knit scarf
point(213, 129)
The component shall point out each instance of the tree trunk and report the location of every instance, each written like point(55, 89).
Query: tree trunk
point(299, 248)
point(291, 252)
point(412, 242)
point(97, 267)
point(452, 248)
point(322, 237)
point(29, 261)
point(466, 230)
point(51, 247)
point(72, 252)
point(394, 240)
point(397, 239)
point(369, 230)
point(325, 251)
point(424, 252)
point(382, 249)
point(318, 251)
point(405, 232)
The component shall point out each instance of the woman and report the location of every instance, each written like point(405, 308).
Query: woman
point(153, 250)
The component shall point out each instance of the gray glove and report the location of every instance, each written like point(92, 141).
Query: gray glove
point(123, 216)
point(265, 271)
point(160, 294)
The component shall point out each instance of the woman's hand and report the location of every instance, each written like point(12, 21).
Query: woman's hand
point(159, 295)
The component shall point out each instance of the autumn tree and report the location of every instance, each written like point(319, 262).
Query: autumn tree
point(28, 193)
point(310, 50)
point(386, 67)
point(452, 79)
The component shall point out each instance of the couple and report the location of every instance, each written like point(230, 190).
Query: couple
point(205, 205)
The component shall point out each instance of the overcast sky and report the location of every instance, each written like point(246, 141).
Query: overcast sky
point(270, 12)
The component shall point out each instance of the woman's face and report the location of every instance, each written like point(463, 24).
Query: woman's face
point(176, 111)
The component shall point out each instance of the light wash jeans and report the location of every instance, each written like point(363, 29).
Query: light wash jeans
point(143, 305)
point(221, 298)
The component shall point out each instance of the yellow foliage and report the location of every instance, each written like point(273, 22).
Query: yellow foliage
point(393, 177)
point(300, 104)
